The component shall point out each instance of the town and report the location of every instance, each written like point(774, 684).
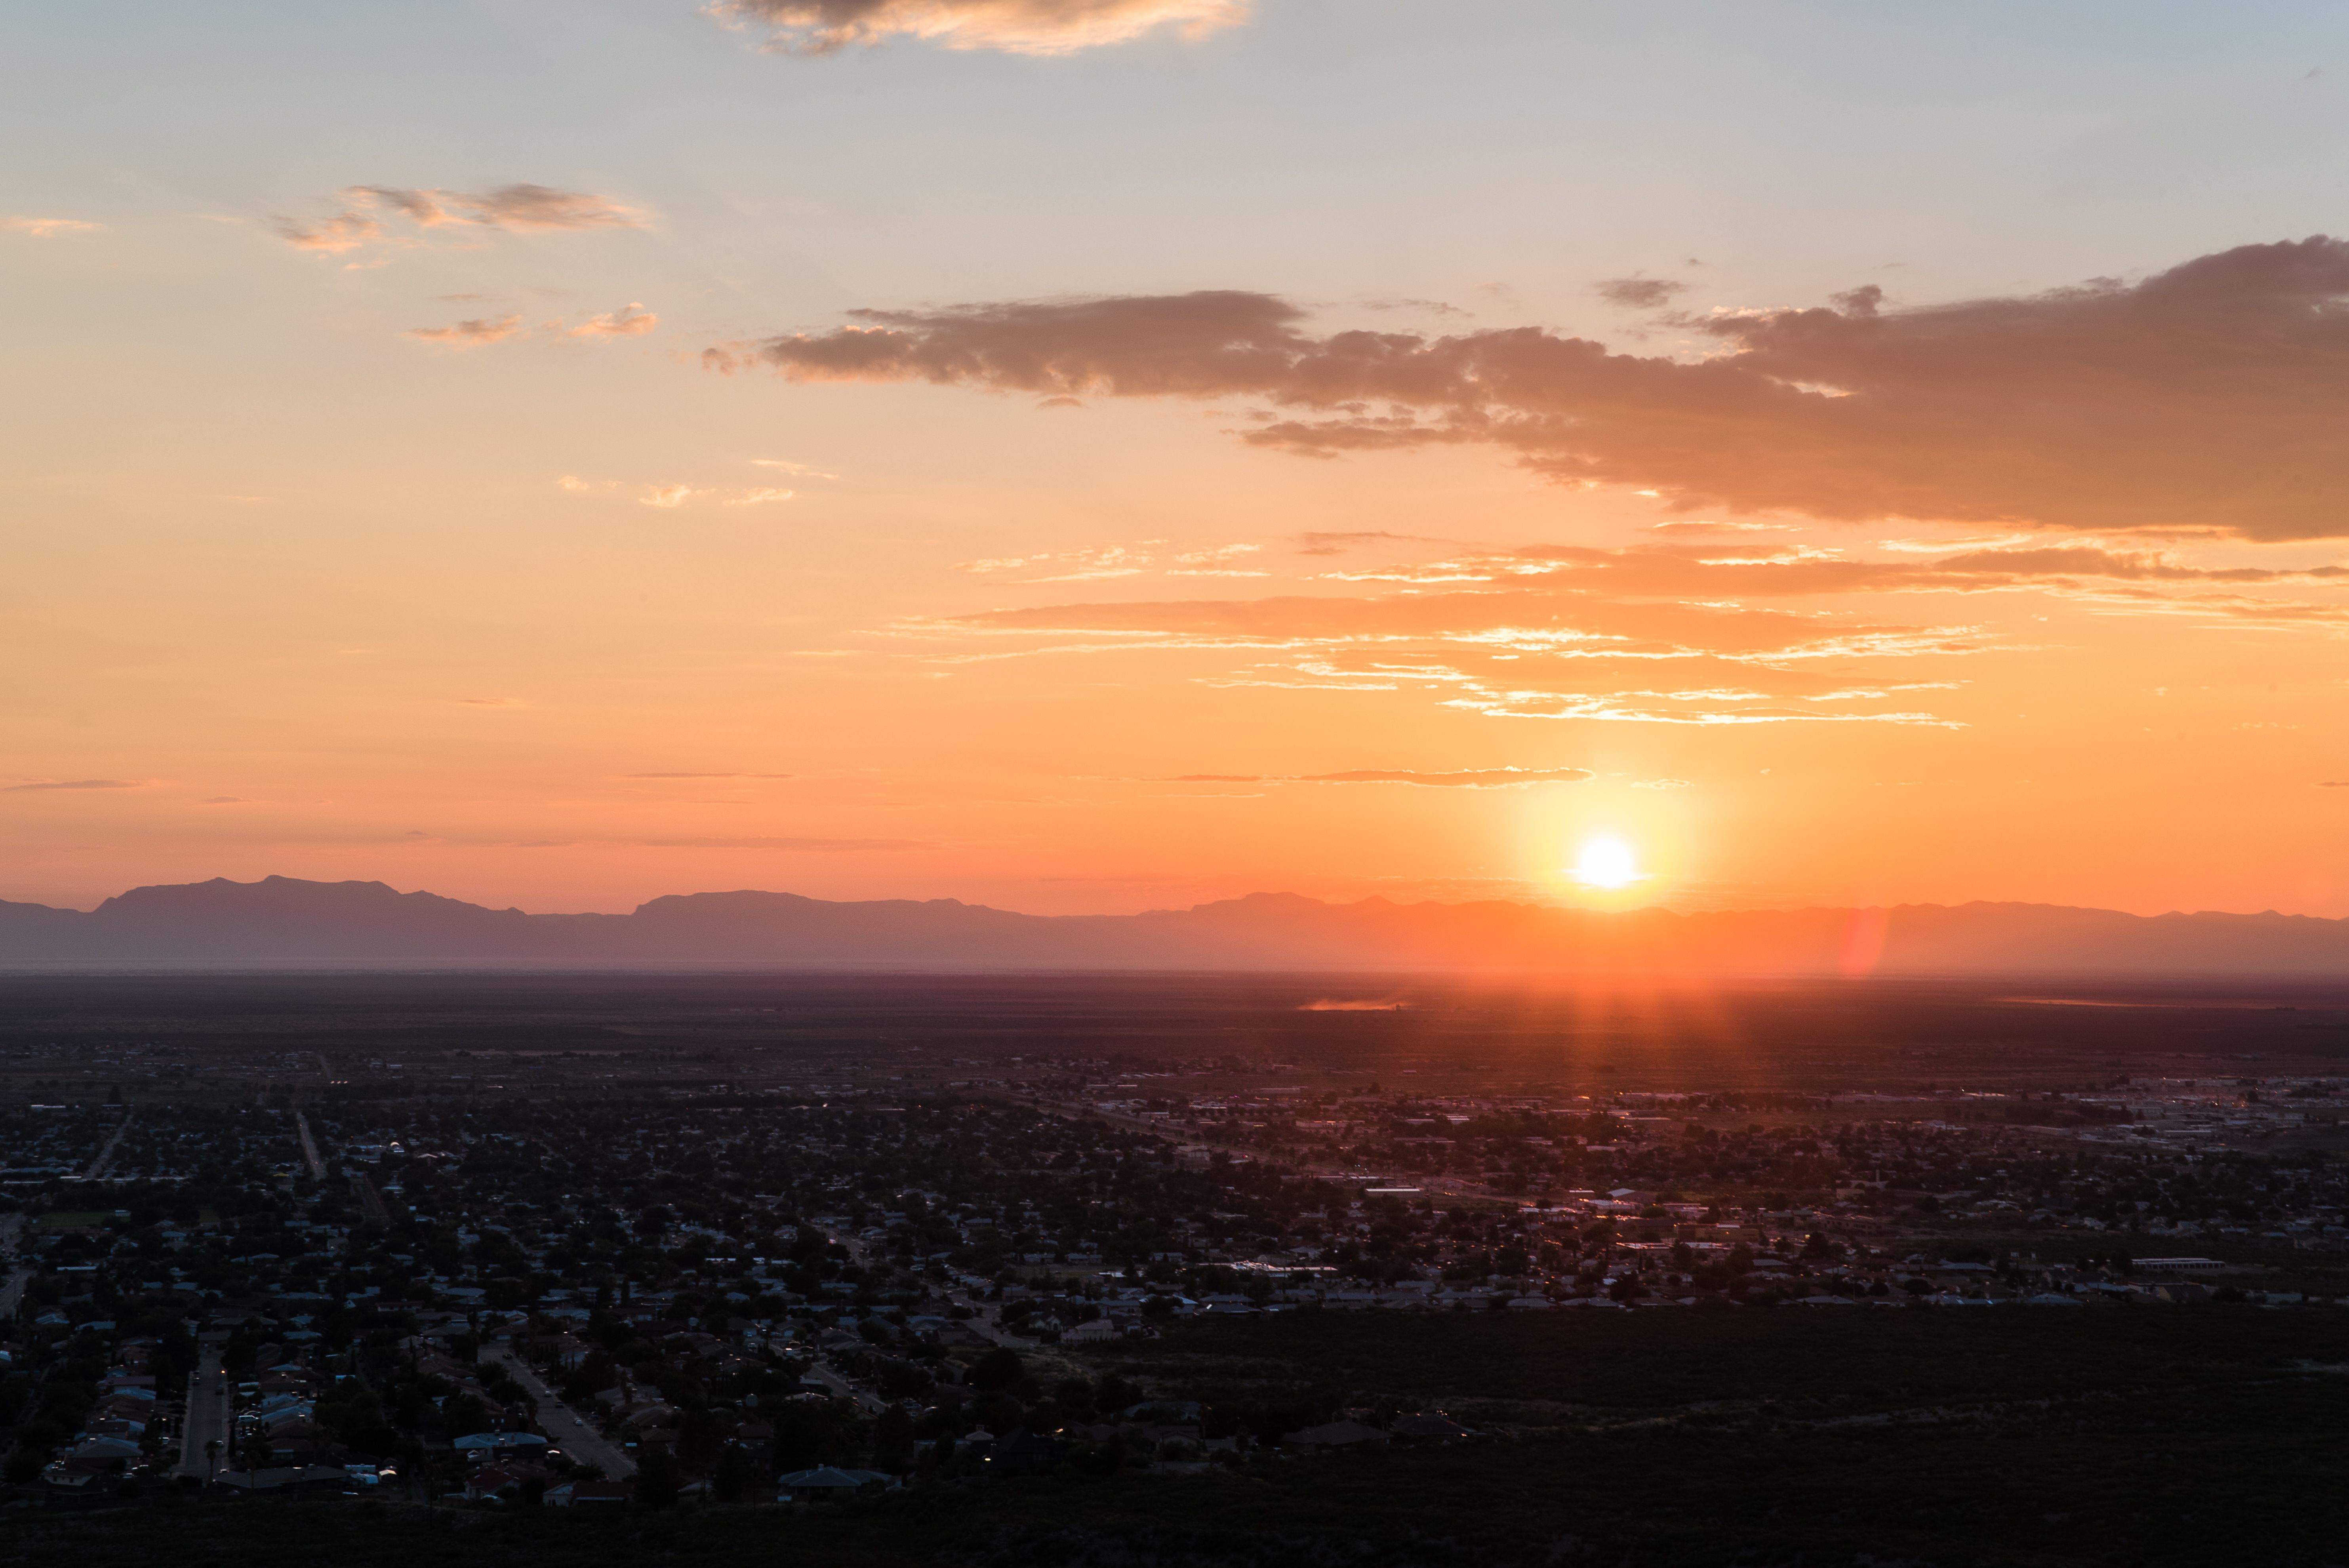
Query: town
point(272, 1272)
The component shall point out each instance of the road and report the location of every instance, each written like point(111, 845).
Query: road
point(370, 1200)
point(829, 1376)
point(309, 1147)
point(576, 1437)
point(210, 1407)
point(11, 1291)
point(106, 1155)
point(980, 1324)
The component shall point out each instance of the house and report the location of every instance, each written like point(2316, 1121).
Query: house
point(1334, 1434)
point(825, 1482)
point(491, 1480)
point(595, 1493)
point(1427, 1429)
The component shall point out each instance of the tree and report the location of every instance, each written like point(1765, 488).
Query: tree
point(737, 1473)
point(999, 1369)
point(656, 1478)
point(893, 1441)
point(698, 1439)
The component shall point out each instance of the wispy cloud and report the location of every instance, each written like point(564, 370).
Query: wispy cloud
point(474, 333)
point(330, 236)
point(789, 845)
point(46, 228)
point(70, 784)
point(520, 206)
point(2095, 408)
point(1540, 650)
point(631, 320)
point(1325, 542)
point(1013, 27)
point(1481, 778)
point(1638, 294)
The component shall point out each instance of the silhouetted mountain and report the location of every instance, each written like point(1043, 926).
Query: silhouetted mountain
point(281, 919)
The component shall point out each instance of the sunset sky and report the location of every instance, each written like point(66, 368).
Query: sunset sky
point(1097, 455)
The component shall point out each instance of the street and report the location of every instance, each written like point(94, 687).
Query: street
point(577, 1438)
point(829, 1376)
point(209, 1408)
point(309, 1147)
point(98, 1167)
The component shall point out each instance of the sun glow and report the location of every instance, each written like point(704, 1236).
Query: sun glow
point(1606, 862)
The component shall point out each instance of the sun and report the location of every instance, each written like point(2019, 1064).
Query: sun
point(1606, 862)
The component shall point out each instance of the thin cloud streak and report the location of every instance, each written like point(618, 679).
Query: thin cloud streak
point(48, 228)
point(1482, 778)
point(817, 27)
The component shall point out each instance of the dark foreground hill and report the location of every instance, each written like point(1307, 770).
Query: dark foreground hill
point(280, 919)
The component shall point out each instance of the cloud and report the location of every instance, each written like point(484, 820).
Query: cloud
point(1013, 27)
point(1088, 562)
point(1336, 543)
point(631, 320)
point(669, 496)
point(521, 206)
point(224, 800)
point(46, 228)
point(706, 775)
point(330, 236)
point(472, 334)
point(1638, 294)
point(2209, 395)
point(71, 784)
point(1483, 779)
point(803, 846)
point(1547, 649)
point(484, 702)
point(797, 471)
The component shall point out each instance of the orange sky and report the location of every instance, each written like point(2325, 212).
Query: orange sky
point(513, 506)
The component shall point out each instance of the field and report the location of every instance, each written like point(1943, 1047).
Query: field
point(228, 1038)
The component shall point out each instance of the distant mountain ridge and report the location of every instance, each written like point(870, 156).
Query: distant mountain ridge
point(285, 921)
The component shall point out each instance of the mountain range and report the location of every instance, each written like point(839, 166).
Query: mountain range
point(284, 921)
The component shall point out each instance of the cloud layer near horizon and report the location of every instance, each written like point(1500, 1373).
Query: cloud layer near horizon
point(1480, 778)
point(2208, 397)
point(1680, 634)
point(1013, 27)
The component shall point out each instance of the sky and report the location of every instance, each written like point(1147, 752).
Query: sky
point(1085, 456)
